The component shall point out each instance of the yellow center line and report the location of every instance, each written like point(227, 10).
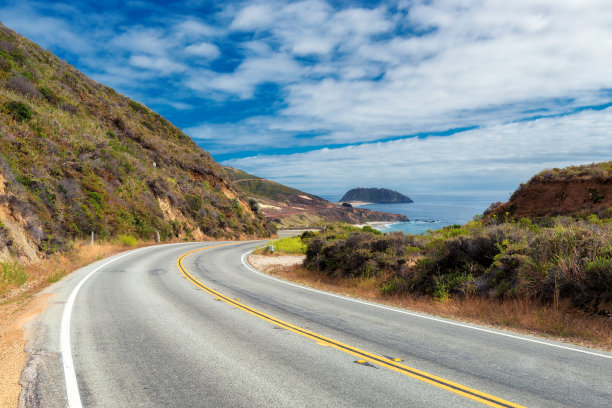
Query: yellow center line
point(451, 386)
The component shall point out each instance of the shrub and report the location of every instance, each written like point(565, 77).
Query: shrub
point(19, 110)
point(23, 85)
point(127, 240)
point(306, 235)
point(566, 259)
point(371, 230)
point(49, 95)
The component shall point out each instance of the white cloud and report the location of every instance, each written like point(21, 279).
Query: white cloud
point(495, 158)
point(163, 65)
point(206, 50)
point(143, 40)
point(252, 72)
point(195, 28)
point(253, 17)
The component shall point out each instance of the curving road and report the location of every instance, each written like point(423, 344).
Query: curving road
point(148, 331)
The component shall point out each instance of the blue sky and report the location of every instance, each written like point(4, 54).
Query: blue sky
point(431, 96)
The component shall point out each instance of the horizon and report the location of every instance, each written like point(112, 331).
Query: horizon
point(424, 98)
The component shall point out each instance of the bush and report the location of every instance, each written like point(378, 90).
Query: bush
point(23, 85)
point(127, 240)
point(19, 110)
point(566, 259)
point(49, 95)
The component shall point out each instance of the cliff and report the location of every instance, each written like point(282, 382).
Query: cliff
point(573, 191)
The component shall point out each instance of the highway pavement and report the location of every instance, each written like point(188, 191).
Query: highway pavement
point(190, 325)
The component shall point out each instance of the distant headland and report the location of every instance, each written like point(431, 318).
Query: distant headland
point(375, 195)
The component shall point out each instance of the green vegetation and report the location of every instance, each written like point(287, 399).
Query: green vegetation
point(11, 274)
point(19, 110)
point(293, 245)
point(598, 171)
point(258, 187)
point(558, 260)
point(77, 157)
point(127, 240)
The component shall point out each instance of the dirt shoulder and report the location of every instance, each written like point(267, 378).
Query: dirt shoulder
point(518, 315)
point(13, 316)
point(20, 304)
point(267, 263)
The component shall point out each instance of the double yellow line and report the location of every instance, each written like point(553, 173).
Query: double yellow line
point(456, 388)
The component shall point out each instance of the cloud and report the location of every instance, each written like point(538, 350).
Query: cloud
point(206, 50)
point(496, 158)
point(337, 73)
point(253, 17)
point(163, 65)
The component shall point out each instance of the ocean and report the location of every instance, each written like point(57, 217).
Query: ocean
point(432, 212)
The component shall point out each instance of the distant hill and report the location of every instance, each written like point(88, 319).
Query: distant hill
point(76, 156)
point(291, 207)
point(375, 195)
point(574, 191)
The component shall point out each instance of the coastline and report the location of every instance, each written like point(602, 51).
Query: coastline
point(378, 225)
point(355, 203)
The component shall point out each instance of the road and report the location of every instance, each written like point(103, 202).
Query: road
point(148, 331)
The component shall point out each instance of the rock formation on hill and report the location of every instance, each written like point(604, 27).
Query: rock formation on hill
point(375, 195)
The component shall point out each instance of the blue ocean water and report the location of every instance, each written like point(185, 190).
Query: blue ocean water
point(432, 212)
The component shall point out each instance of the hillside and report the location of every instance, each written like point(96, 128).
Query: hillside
point(375, 195)
point(573, 191)
point(291, 207)
point(76, 156)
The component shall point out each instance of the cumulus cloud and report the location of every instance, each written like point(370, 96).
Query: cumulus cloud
point(253, 17)
point(203, 49)
point(495, 158)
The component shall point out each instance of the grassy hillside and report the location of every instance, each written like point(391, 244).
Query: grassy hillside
point(289, 207)
point(76, 156)
point(262, 188)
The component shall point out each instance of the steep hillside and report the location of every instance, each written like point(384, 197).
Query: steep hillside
point(375, 195)
point(76, 156)
point(290, 207)
point(574, 191)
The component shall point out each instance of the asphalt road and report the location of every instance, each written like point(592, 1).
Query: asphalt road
point(146, 331)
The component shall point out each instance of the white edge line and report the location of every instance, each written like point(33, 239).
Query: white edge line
point(246, 264)
point(72, 387)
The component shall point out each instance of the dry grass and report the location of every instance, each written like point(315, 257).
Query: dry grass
point(520, 315)
point(52, 269)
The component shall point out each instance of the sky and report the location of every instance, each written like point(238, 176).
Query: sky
point(421, 96)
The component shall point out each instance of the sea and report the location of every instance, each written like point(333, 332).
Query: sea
point(432, 212)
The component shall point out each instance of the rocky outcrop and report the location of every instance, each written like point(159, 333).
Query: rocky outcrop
point(375, 195)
